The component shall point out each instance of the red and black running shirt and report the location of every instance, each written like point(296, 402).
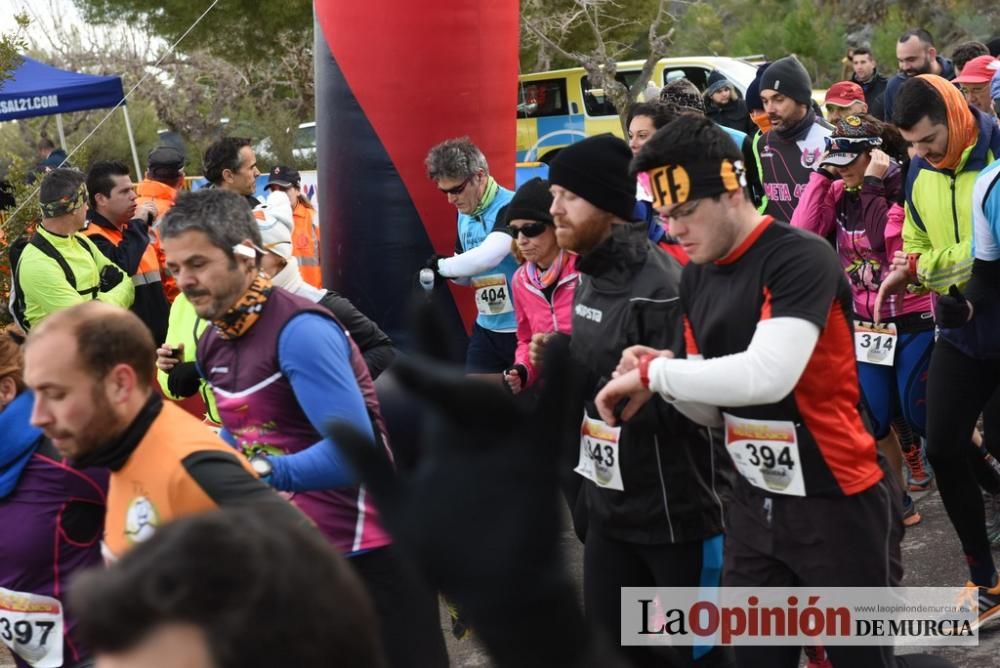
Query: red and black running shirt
point(783, 272)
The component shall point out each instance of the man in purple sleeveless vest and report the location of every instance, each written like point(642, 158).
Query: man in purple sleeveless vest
point(52, 516)
point(281, 368)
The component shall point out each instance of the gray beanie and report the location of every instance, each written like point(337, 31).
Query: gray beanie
point(788, 77)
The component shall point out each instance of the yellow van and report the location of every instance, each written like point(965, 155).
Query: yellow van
point(560, 107)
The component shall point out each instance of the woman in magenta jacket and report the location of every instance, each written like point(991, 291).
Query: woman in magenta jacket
point(543, 286)
point(854, 196)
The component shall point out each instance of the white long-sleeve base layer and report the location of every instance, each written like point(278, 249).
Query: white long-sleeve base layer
point(765, 373)
point(485, 256)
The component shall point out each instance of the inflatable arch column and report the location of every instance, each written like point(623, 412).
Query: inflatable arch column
point(393, 79)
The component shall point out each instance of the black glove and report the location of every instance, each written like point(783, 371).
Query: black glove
point(953, 309)
point(521, 371)
point(480, 514)
point(111, 276)
point(432, 262)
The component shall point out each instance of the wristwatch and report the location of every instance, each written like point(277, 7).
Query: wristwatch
point(261, 465)
point(644, 368)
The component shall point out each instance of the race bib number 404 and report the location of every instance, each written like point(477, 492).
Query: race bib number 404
point(31, 625)
point(766, 453)
point(492, 294)
point(599, 454)
point(875, 344)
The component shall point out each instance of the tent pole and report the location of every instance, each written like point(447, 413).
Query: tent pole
point(62, 134)
point(131, 141)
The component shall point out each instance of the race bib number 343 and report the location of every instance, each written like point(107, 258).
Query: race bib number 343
point(31, 625)
point(599, 454)
point(766, 453)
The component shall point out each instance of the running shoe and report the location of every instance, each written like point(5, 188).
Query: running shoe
point(988, 600)
point(910, 514)
point(919, 475)
point(459, 628)
point(816, 656)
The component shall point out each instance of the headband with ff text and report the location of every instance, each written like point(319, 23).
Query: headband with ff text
point(676, 184)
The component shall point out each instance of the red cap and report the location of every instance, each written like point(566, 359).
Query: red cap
point(844, 94)
point(979, 70)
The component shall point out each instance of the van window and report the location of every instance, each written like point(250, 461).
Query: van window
point(546, 97)
point(305, 136)
point(594, 99)
point(696, 75)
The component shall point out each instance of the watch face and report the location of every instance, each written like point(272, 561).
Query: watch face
point(261, 466)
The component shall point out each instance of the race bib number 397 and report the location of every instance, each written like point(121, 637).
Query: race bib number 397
point(31, 625)
point(766, 453)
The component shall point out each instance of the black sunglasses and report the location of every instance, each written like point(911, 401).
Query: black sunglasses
point(457, 190)
point(529, 229)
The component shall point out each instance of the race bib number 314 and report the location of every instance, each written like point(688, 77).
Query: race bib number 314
point(31, 625)
point(875, 344)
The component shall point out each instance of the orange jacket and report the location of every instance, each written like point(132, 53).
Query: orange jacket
point(154, 487)
point(152, 267)
point(305, 244)
point(160, 194)
point(163, 196)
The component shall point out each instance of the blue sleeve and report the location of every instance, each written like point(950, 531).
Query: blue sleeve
point(228, 437)
point(315, 357)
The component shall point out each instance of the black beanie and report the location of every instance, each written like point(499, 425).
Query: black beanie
point(532, 201)
point(788, 77)
point(752, 95)
point(596, 169)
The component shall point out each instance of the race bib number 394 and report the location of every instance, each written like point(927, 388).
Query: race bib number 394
point(875, 344)
point(31, 625)
point(599, 454)
point(766, 453)
point(492, 294)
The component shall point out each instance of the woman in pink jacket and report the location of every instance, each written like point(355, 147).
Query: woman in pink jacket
point(543, 286)
point(854, 197)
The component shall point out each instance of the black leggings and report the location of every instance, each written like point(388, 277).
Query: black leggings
point(958, 390)
point(407, 610)
point(609, 565)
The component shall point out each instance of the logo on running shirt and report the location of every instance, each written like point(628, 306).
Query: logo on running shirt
point(589, 313)
point(810, 156)
point(141, 520)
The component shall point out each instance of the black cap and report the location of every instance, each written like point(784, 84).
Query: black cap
point(596, 169)
point(532, 201)
point(286, 177)
point(167, 157)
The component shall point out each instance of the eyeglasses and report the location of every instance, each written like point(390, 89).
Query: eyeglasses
point(851, 144)
point(682, 210)
point(529, 230)
point(459, 189)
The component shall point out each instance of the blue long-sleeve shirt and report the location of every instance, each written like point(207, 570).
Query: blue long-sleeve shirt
point(315, 356)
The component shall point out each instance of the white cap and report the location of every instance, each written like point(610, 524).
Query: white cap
point(276, 226)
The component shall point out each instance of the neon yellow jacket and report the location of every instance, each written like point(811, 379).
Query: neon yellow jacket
point(184, 326)
point(44, 284)
point(938, 222)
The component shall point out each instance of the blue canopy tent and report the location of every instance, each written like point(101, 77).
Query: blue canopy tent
point(37, 89)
